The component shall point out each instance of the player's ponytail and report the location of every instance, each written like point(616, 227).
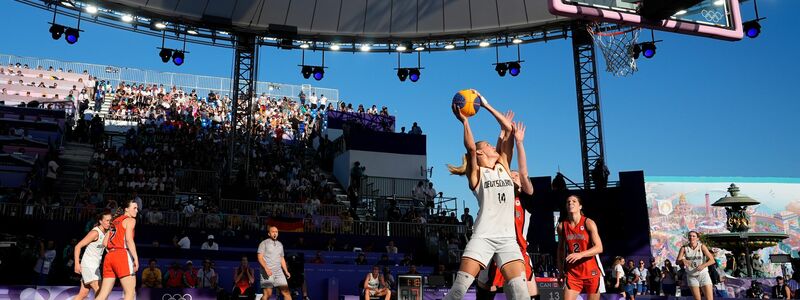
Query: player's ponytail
point(459, 170)
point(121, 209)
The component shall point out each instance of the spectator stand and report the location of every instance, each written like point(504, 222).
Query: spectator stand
point(187, 82)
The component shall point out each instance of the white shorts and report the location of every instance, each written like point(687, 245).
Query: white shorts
point(699, 279)
point(276, 280)
point(90, 272)
point(502, 250)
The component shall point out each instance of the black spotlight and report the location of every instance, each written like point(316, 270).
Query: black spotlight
point(501, 69)
point(637, 50)
point(306, 71)
point(649, 49)
point(413, 74)
point(72, 35)
point(751, 28)
point(402, 74)
point(514, 68)
point(177, 58)
point(165, 54)
point(56, 31)
point(319, 72)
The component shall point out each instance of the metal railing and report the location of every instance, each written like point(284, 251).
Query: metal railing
point(202, 84)
point(384, 186)
point(287, 209)
point(324, 225)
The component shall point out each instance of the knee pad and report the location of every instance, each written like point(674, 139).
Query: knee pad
point(517, 289)
point(460, 286)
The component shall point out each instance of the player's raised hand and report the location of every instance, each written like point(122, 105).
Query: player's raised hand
point(519, 131)
point(457, 112)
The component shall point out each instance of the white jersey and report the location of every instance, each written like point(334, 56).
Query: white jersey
point(495, 193)
point(374, 282)
point(94, 251)
point(695, 257)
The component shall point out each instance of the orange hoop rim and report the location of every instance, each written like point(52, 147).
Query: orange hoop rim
point(612, 33)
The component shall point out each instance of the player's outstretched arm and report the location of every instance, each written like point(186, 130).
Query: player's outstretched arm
point(522, 159)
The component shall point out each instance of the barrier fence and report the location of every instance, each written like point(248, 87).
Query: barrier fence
point(288, 209)
point(202, 84)
point(384, 186)
point(318, 224)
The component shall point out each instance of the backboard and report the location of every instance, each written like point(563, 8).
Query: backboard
point(718, 19)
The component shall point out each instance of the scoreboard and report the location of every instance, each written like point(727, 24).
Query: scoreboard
point(409, 287)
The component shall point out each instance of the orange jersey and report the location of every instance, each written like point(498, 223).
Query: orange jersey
point(117, 234)
point(519, 225)
point(577, 239)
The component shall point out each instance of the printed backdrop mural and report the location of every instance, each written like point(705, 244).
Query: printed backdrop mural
point(679, 204)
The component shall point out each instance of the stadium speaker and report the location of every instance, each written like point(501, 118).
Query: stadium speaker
point(165, 54)
point(501, 69)
point(413, 74)
point(56, 31)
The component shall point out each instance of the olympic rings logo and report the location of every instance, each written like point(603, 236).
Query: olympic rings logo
point(712, 15)
point(176, 297)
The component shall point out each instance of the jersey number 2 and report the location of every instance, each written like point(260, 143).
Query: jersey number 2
point(576, 248)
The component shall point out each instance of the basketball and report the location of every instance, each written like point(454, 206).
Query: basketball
point(468, 101)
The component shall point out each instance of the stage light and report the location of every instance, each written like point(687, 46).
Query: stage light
point(165, 54)
point(484, 44)
point(517, 41)
point(501, 69)
point(177, 58)
point(402, 74)
point(649, 49)
point(67, 4)
point(56, 31)
point(191, 31)
point(160, 25)
point(680, 12)
point(420, 48)
point(71, 35)
point(223, 32)
point(335, 47)
point(514, 68)
point(719, 2)
point(319, 72)
point(449, 46)
point(365, 48)
point(127, 18)
point(752, 28)
point(91, 9)
point(413, 74)
point(306, 71)
point(401, 48)
point(304, 46)
point(637, 50)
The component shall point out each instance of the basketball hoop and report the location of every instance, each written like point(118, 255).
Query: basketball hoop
point(616, 42)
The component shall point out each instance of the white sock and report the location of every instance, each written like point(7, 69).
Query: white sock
point(460, 286)
point(516, 289)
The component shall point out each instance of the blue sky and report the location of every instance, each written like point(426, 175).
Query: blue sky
point(701, 107)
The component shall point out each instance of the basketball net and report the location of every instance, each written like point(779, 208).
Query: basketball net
point(616, 42)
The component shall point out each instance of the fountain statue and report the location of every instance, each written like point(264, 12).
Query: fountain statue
point(740, 240)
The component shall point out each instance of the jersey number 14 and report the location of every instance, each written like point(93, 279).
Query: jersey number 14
point(501, 197)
